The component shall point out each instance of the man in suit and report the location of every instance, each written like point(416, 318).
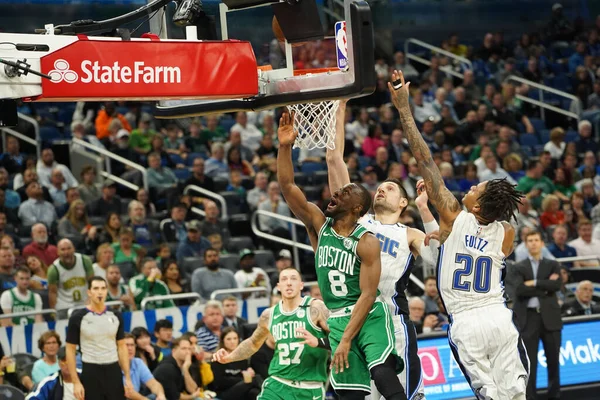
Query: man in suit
point(230, 311)
point(534, 283)
point(583, 304)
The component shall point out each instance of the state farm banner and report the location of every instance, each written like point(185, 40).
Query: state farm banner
point(107, 69)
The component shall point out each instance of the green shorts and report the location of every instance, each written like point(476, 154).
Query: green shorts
point(276, 389)
point(371, 347)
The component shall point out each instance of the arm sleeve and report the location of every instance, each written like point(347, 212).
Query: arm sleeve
point(74, 327)
point(167, 380)
point(52, 275)
point(121, 330)
point(6, 302)
point(88, 266)
point(145, 374)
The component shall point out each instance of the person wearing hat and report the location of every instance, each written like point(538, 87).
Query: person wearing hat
point(58, 386)
point(194, 244)
point(250, 275)
point(108, 203)
point(282, 261)
point(139, 140)
point(122, 148)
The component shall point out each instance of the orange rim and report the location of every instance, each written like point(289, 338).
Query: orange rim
point(299, 72)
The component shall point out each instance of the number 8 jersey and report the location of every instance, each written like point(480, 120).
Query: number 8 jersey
point(470, 265)
point(338, 266)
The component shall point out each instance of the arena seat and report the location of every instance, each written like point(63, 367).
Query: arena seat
point(312, 167)
point(312, 193)
point(230, 262)
point(220, 183)
point(233, 201)
point(300, 178)
point(190, 264)
point(236, 244)
point(587, 273)
point(11, 392)
point(571, 136)
point(239, 225)
point(127, 269)
point(319, 178)
point(529, 140)
point(264, 258)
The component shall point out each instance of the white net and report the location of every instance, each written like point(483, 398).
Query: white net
point(315, 123)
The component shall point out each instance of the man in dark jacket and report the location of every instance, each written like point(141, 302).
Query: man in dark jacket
point(53, 387)
point(583, 304)
point(173, 229)
point(533, 283)
point(173, 373)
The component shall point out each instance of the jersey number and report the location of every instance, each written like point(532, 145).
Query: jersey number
point(482, 274)
point(284, 353)
point(76, 295)
point(337, 282)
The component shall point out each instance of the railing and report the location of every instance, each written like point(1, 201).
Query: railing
point(579, 258)
point(110, 155)
point(437, 50)
point(223, 292)
point(36, 142)
point(207, 193)
point(29, 313)
point(170, 297)
point(107, 304)
point(36, 129)
point(540, 103)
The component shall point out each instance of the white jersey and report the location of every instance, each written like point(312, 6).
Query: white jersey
point(72, 285)
point(396, 262)
point(470, 265)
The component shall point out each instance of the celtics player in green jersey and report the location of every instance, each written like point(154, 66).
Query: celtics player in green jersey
point(298, 369)
point(348, 266)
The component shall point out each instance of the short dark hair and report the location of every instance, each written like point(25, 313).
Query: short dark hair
point(86, 169)
point(210, 249)
point(129, 336)
point(533, 165)
point(534, 233)
point(176, 342)
point(499, 200)
point(366, 199)
point(162, 323)
point(430, 278)
point(45, 337)
point(96, 279)
point(24, 270)
point(140, 331)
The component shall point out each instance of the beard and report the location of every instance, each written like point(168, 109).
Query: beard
point(213, 266)
point(384, 206)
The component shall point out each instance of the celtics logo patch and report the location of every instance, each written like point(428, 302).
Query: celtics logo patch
point(348, 243)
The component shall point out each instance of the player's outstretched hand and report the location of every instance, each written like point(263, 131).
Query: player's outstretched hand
point(435, 235)
point(422, 198)
point(78, 391)
point(309, 338)
point(401, 94)
point(220, 356)
point(339, 361)
point(285, 132)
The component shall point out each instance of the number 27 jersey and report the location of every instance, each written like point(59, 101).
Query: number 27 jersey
point(470, 265)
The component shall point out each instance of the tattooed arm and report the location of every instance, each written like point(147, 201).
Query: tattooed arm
point(249, 346)
point(442, 199)
point(319, 314)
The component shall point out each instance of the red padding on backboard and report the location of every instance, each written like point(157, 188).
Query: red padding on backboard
point(150, 70)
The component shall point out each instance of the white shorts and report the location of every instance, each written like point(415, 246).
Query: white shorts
point(488, 348)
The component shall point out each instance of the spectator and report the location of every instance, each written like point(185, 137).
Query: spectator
point(149, 353)
point(196, 141)
point(198, 177)
point(431, 295)
point(559, 247)
point(7, 267)
point(142, 196)
point(140, 374)
point(505, 117)
point(208, 334)
point(46, 165)
point(125, 249)
point(144, 232)
point(251, 135)
point(213, 132)
point(173, 143)
point(71, 195)
point(30, 175)
point(586, 142)
point(282, 261)
point(577, 208)
point(121, 148)
point(527, 216)
point(173, 373)
point(139, 141)
point(533, 72)
point(401, 64)
point(163, 332)
point(493, 171)
point(36, 209)
point(212, 277)
point(556, 146)
point(521, 252)
point(235, 142)
point(551, 215)
point(236, 163)
point(381, 164)
point(212, 223)
point(13, 160)
point(58, 188)
point(39, 245)
point(148, 284)
point(174, 229)
point(250, 275)
point(67, 278)
point(49, 343)
point(171, 276)
point(576, 59)
point(259, 192)
point(105, 116)
point(230, 314)
point(216, 165)
point(472, 91)
point(235, 186)
point(534, 184)
point(216, 242)
point(583, 303)
point(20, 299)
point(108, 203)
point(79, 131)
point(194, 245)
point(105, 255)
point(88, 190)
point(39, 271)
point(563, 181)
point(58, 386)
point(11, 198)
point(508, 69)
point(267, 152)
point(236, 380)
point(157, 145)
point(117, 290)
point(161, 179)
point(585, 245)
point(416, 309)
point(110, 231)
point(75, 225)
point(274, 203)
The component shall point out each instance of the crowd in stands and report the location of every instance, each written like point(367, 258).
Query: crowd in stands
point(58, 228)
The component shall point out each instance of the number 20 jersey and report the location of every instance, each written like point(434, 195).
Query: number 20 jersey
point(470, 265)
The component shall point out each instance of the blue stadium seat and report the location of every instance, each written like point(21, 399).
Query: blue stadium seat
point(571, 136)
point(538, 149)
point(177, 159)
point(192, 156)
point(363, 162)
point(233, 201)
point(182, 174)
point(527, 139)
point(538, 124)
point(526, 150)
point(544, 136)
point(236, 244)
point(226, 123)
point(311, 167)
point(49, 133)
point(312, 193)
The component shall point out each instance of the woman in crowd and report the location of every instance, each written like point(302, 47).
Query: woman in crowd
point(48, 343)
point(556, 146)
point(563, 180)
point(470, 179)
point(578, 207)
point(104, 258)
point(143, 197)
point(236, 380)
point(235, 162)
point(158, 146)
point(88, 190)
point(125, 249)
point(551, 215)
point(171, 276)
point(110, 231)
point(75, 224)
point(144, 349)
point(373, 141)
point(513, 164)
point(39, 275)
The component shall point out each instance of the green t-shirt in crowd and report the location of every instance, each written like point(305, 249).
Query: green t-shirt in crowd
point(141, 139)
point(526, 184)
point(122, 257)
point(141, 288)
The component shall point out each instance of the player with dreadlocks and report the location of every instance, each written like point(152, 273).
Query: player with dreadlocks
point(474, 243)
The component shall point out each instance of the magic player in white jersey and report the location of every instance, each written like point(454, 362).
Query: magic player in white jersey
point(400, 245)
point(483, 338)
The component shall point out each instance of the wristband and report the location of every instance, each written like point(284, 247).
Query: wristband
point(397, 84)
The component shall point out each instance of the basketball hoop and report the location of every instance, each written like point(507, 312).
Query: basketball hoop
point(315, 123)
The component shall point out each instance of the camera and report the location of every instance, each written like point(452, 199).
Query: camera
point(187, 12)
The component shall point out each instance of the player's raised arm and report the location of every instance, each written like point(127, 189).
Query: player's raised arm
point(336, 167)
point(370, 271)
point(307, 212)
point(249, 346)
point(416, 239)
point(442, 199)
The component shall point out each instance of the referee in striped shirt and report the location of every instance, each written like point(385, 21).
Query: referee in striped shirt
point(99, 333)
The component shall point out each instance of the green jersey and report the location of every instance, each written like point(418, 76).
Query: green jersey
point(338, 266)
point(19, 306)
point(293, 360)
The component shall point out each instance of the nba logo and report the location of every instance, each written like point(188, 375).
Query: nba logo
point(341, 44)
